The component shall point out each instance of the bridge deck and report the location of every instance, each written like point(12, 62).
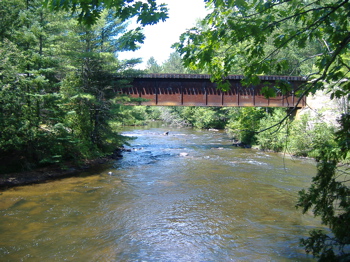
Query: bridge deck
point(198, 90)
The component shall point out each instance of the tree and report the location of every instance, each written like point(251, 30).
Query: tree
point(205, 117)
point(29, 76)
point(174, 64)
point(303, 22)
point(265, 29)
point(152, 66)
point(90, 87)
point(57, 84)
point(244, 123)
point(90, 11)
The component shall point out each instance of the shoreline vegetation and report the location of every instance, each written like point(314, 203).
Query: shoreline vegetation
point(71, 169)
point(303, 142)
point(60, 99)
point(236, 123)
point(55, 172)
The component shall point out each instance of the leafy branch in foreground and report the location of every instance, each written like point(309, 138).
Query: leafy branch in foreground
point(264, 29)
point(329, 198)
point(147, 12)
point(256, 36)
point(88, 12)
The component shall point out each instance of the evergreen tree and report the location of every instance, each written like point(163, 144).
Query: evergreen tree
point(29, 78)
point(58, 84)
point(90, 86)
point(174, 64)
point(152, 66)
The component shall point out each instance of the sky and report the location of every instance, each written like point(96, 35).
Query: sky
point(183, 15)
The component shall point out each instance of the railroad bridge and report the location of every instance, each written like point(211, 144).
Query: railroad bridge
point(198, 90)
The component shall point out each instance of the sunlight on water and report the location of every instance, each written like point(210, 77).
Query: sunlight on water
point(214, 203)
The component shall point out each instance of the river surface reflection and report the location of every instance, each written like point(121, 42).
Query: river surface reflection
point(188, 196)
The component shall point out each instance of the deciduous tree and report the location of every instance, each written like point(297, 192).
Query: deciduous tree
point(266, 28)
point(89, 11)
point(263, 30)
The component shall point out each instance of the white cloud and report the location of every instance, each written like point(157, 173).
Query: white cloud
point(183, 15)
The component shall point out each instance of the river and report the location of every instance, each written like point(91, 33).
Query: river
point(186, 196)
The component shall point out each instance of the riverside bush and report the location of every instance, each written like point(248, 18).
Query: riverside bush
point(308, 137)
point(205, 117)
point(305, 137)
point(274, 138)
point(244, 123)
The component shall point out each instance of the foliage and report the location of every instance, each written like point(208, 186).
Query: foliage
point(88, 91)
point(174, 64)
point(89, 11)
point(328, 197)
point(244, 122)
point(153, 112)
point(205, 117)
point(172, 116)
point(303, 137)
point(153, 67)
point(28, 86)
point(198, 117)
point(262, 30)
point(57, 83)
point(309, 137)
point(270, 27)
point(275, 138)
point(134, 115)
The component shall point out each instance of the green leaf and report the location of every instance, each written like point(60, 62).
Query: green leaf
point(268, 92)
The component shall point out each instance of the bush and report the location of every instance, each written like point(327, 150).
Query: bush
point(308, 137)
point(305, 137)
point(244, 123)
point(205, 117)
point(275, 138)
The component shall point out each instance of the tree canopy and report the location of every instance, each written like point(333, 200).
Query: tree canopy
point(260, 30)
point(147, 12)
point(256, 35)
point(58, 91)
point(89, 11)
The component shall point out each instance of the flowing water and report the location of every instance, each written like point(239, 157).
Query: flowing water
point(188, 196)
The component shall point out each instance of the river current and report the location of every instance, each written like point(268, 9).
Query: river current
point(186, 196)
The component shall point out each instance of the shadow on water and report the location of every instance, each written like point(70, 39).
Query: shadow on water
point(185, 196)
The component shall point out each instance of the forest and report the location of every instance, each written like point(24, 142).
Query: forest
point(59, 97)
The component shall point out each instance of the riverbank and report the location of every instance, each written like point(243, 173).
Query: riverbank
point(48, 173)
point(69, 169)
point(57, 171)
point(159, 198)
